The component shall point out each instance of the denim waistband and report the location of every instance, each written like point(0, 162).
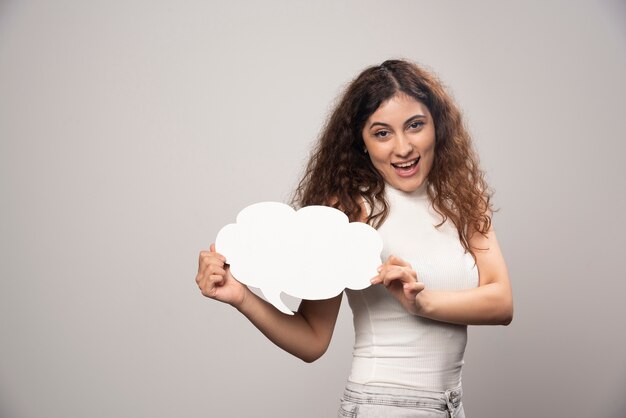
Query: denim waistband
point(404, 397)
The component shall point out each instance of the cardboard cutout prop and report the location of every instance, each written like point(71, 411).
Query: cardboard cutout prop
point(313, 253)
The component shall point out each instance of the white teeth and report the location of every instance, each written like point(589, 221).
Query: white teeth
point(407, 164)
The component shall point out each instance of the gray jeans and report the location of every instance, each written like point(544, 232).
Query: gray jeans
point(364, 401)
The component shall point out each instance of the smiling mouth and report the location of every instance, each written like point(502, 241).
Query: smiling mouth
point(407, 165)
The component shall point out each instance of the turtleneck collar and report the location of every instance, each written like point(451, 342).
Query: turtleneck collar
point(419, 192)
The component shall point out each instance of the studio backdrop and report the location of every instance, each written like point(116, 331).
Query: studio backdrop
point(131, 132)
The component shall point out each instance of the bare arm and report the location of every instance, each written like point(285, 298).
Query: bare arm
point(306, 334)
point(491, 303)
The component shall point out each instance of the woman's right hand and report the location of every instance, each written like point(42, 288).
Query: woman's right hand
point(305, 334)
point(215, 280)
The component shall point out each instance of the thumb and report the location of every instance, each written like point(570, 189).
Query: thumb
point(412, 289)
point(212, 248)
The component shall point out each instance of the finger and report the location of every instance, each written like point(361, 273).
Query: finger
point(208, 289)
point(377, 279)
point(210, 259)
point(397, 261)
point(205, 256)
point(397, 273)
point(201, 279)
point(383, 272)
point(216, 280)
point(412, 289)
point(211, 285)
point(212, 253)
point(210, 269)
point(391, 262)
point(205, 253)
point(212, 247)
point(215, 269)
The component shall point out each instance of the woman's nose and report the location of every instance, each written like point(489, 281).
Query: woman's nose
point(403, 147)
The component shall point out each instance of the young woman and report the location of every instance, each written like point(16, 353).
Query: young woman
point(395, 154)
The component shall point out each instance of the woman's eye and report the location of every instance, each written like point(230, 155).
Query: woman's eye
point(416, 124)
point(381, 134)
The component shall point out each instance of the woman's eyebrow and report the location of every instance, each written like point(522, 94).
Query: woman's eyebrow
point(378, 123)
point(405, 122)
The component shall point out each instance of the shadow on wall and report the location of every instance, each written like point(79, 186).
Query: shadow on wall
point(616, 11)
point(617, 406)
point(5, 10)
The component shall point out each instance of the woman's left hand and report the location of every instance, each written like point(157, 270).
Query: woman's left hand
point(401, 280)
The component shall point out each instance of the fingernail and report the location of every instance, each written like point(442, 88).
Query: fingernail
point(379, 268)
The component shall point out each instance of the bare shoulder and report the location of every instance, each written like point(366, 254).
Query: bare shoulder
point(489, 257)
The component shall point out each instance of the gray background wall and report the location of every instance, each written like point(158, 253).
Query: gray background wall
point(130, 132)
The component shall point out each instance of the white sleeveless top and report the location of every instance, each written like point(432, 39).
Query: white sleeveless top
point(392, 347)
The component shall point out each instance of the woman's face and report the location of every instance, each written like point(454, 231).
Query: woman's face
point(400, 140)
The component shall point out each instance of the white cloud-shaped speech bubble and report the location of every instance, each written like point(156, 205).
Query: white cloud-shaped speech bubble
point(313, 253)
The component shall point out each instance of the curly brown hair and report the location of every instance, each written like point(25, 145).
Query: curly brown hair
point(340, 174)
